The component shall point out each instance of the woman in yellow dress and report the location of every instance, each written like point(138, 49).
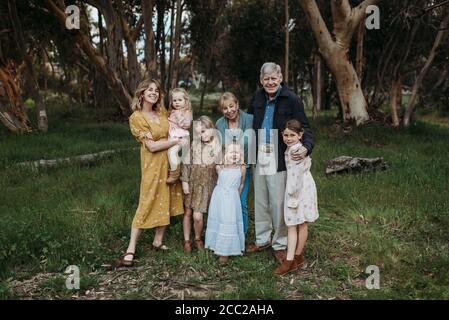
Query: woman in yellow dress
point(158, 201)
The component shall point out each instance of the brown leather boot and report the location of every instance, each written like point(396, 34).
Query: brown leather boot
point(173, 176)
point(188, 246)
point(280, 255)
point(284, 268)
point(299, 260)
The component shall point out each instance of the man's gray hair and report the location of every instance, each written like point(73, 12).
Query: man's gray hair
point(270, 67)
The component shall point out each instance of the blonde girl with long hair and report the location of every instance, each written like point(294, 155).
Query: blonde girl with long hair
point(199, 178)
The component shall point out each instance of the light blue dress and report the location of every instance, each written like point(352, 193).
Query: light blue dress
point(224, 232)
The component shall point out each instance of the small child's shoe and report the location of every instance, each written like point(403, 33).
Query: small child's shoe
point(299, 260)
point(286, 267)
point(173, 176)
point(188, 246)
point(223, 259)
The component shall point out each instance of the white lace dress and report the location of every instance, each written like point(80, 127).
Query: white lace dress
point(300, 203)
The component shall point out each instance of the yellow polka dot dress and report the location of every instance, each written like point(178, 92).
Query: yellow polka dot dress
point(157, 201)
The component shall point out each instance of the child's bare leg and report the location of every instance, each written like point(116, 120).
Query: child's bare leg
point(135, 233)
point(292, 239)
point(302, 238)
point(187, 223)
point(159, 236)
point(198, 224)
point(173, 157)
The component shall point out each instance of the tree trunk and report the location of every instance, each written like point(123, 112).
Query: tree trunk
point(42, 121)
point(177, 45)
point(418, 82)
point(160, 40)
point(170, 55)
point(150, 50)
point(335, 52)
point(287, 41)
point(115, 33)
point(360, 59)
point(12, 113)
point(203, 92)
point(396, 100)
point(85, 159)
point(116, 85)
point(318, 83)
point(131, 37)
point(196, 77)
point(352, 100)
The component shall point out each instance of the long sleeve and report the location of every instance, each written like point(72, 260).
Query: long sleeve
point(138, 128)
point(186, 168)
point(185, 173)
point(185, 119)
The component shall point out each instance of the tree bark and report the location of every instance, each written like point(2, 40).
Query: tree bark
point(82, 160)
point(177, 45)
point(42, 120)
point(160, 38)
point(150, 50)
point(360, 59)
point(418, 82)
point(170, 55)
point(131, 37)
point(12, 113)
point(115, 36)
point(114, 82)
point(203, 92)
point(335, 52)
point(396, 100)
point(318, 82)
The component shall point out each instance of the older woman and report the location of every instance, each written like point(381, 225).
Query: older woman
point(158, 201)
point(232, 127)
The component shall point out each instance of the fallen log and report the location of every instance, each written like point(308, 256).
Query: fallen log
point(345, 164)
point(82, 160)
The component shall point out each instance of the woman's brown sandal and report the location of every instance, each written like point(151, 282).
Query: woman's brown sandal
point(125, 263)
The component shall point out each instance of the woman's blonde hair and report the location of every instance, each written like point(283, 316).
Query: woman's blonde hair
point(186, 97)
point(137, 103)
point(227, 96)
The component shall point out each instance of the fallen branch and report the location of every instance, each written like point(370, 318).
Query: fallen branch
point(345, 164)
point(82, 159)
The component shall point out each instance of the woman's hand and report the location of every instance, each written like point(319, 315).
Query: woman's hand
point(185, 187)
point(299, 154)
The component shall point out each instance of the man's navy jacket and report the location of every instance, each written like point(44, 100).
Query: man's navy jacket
point(288, 106)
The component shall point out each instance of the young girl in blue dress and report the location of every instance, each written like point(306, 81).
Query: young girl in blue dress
point(224, 232)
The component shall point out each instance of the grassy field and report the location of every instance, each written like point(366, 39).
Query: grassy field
point(396, 219)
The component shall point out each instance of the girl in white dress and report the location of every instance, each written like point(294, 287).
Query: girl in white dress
point(224, 232)
point(300, 202)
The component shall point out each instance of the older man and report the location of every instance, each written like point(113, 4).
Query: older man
point(272, 106)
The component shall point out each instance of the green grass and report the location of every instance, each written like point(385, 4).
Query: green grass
point(80, 215)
